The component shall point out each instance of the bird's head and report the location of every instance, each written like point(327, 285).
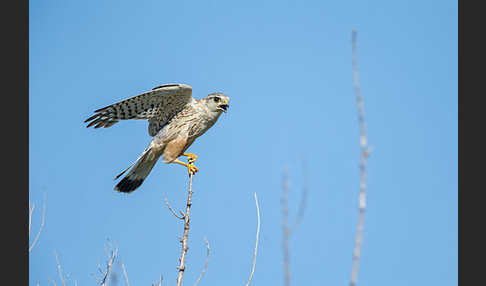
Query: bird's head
point(217, 102)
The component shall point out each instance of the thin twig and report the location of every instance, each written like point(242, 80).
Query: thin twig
point(303, 200)
point(364, 155)
point(109, 265)
point(106, 279)
point(125, 274)
point(59, 269)
point(184, 240)
point(42, 222)
point(285, 227)
point(159, 283)
point(31, 211)
point(256, 241)
point(288, 231)
point(172, 210)
point(205, 264)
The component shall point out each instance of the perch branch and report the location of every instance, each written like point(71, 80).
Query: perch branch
point(256, 241)
point(184, 240)
point(205, 264)
point(364, 155)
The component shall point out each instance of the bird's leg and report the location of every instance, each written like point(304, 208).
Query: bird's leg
point(191, 169)
point(191, 158)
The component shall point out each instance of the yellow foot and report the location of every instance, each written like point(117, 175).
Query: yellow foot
point(191, 158)
point(191, 169)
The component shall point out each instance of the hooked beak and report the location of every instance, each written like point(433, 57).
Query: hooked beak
point(224, 107)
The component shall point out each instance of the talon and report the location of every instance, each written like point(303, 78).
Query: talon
point(191, 158)
point(191, 169)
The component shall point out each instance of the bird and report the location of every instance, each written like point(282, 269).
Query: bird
point(175, 120)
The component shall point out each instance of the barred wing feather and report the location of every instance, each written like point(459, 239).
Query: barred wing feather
point(158, 106)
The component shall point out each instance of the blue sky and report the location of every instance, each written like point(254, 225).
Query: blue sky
point(286, 65)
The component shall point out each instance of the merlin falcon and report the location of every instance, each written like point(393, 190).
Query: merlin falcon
point(175, 119)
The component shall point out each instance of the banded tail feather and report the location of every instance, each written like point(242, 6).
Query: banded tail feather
point(138, 172)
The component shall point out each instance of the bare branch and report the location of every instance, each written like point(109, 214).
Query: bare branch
point(159, 283)
point(256, 241)
point(303, 200)
point(184, 240)
point(125, 274)
point(285, 227)
point(31, 211)
point(109, 267)
point(42, 222)
point(287, 231)
point(59, 270)
point(205, 264)
point(364, 155)
point(112, 254)
point(172, 210)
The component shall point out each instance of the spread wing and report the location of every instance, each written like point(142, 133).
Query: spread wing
point(157, 106)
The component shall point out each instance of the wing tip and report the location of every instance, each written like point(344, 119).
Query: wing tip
point(101, 109)
point(91, 118)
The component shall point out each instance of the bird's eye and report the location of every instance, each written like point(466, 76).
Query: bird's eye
point(216, 99)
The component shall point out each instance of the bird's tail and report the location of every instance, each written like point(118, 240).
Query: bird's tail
point(139, 171)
